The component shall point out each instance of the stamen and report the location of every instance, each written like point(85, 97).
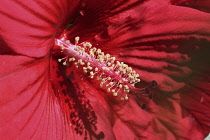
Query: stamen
point(118, 77)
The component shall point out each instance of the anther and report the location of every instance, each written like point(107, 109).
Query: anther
point(77, 39)
point(62, 47)
point(126, 97)
point(114, 74)
point(64, 63)
point(115, 94)
point(67, 41)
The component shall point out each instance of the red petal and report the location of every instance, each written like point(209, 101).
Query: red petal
point(27, 106)
point(203, 5)
point(161, 42)
point(79, 97)
point(29, 27)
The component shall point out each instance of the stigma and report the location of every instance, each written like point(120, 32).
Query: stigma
point(116, 77)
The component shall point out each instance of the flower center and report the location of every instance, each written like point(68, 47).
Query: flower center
point(115, 76)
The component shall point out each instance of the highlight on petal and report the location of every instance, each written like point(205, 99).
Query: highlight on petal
point(28, 107)
point(29, 27)
point(154, 39)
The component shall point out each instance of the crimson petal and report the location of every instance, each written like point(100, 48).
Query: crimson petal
point(29, 27)
point(163, 43)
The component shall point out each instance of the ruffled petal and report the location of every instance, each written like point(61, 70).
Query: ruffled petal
point(29, 27)
point(163, 43)
point(160, 48)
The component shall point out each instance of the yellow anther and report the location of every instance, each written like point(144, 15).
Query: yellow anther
point(91, 73)
point(89, 44)
point(92, 55)
point(101, 84)
point(120, 85)
point(85, 71)
point(111, 83)
point(126, 87)
point(109, 64)
point(101, 59)
point(88, 63)
point(120, 69)
point(64, 63)
point(122, 98)
point(123, 79)
point(113, 91)
point(91, 76)
point(94, 49)
point(129, 69)
point(67, 41)
point(90, 68)
point(108, 90)
point(80, 61)
point(127, 90)
point(117, 72)
point(99, 51)
point(109, 78)
point(103, 79)
point(138, 80)
point(96, 69)
point(99, 78)
point(87, 55)
point(115, 94)
point(82, 49)
point(124, 71)
point(126, 97)
point(62, 47)
point(118, 63)
point(77, 39)
point(125, 65)
point(107, 55)
point(131, 77)
point(59, 60)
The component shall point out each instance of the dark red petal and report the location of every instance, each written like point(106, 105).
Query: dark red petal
point(159, 47)
point(29, 27)
point(203, 5)
point(161, 42)
point(82, 102)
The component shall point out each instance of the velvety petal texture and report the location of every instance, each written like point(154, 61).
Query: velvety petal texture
point(28, 107)
point(165, 41)
point(29, 27)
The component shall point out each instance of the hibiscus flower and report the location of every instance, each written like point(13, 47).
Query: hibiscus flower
point(71, 69)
